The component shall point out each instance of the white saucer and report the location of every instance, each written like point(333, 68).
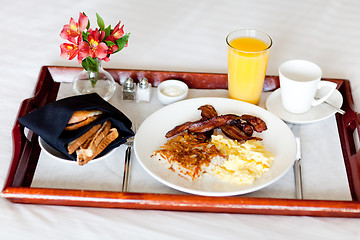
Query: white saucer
point(318, 113)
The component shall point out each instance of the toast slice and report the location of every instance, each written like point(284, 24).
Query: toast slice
point(72, 146)
point(94, 145)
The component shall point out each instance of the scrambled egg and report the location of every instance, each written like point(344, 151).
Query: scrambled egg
point(246, 161)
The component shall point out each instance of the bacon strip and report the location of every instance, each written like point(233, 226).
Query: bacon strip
point(212, 123)
point(240, 132)
point(257, 123)
point(234, 132)
point(207, 111)
point(235, 127)
point(246, 128)
point(202, 125)
point(178, 129)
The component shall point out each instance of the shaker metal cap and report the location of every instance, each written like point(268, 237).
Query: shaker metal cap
point(144, 83)
point(128, 83)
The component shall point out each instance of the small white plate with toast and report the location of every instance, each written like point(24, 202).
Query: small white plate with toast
point(55, 154)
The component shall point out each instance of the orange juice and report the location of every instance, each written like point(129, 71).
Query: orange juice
point(247, 61)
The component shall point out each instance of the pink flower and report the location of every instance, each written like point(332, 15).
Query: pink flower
point(68, 50)
point(83, 51)
point(73, 29)
point(111, 50)
point(95, 47)
point(83, 21)
point(116, 33)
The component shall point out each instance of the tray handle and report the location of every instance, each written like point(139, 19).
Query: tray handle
point(349, 131)
point(25, 147)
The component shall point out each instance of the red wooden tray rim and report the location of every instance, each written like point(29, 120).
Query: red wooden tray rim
point(192, 79)
point(153, 201)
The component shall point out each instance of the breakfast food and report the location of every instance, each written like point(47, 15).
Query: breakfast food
point(72, 146)
point(244, 162)
point(96, 143)
point(82, 118)
point(236, 127)
point(92, 142)
point(221, 145)
point(188, 155)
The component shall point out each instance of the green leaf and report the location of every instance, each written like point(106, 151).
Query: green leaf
point(109, 43)
point(92, 66)
point(121, 42)
point(89, 64)
point(100, 22)
point(85, 36)
point(88, 26)
point(85, 64)
point(107, 31)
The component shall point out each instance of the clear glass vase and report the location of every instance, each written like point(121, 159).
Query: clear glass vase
point(100, 82)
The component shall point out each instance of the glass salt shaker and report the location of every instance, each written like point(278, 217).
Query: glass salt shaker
point(128, 89)
point(143, 91)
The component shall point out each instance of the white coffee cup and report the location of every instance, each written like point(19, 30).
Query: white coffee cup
point(300, 83)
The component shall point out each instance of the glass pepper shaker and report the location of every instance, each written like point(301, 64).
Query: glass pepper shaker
point(143, 91)
point(128, 89)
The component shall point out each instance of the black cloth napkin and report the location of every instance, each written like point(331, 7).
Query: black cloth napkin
point(49, 121)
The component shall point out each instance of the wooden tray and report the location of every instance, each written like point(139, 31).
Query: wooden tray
point(26, 153)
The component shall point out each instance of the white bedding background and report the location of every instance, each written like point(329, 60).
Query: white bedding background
point(189, 36)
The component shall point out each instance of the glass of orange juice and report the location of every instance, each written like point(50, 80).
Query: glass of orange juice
point(248, 54)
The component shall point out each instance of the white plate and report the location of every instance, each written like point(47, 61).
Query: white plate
point(151, 135)
point(55, 154)
point(318, 113)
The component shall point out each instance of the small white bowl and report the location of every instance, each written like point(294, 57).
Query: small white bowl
point(171, 91)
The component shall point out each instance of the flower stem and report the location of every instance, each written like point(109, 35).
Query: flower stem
point(94, 73)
